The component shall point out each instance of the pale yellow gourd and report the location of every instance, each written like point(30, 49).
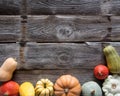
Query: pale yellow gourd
point(7, 69)
point(44, 87)
point(112, 58)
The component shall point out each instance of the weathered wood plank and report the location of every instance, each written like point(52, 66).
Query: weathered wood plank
point(38, 7)
point(62, 55)
point(110, 7)
point(9, 50)
point(115, 33)
point(115, 28)
point(83, 7)
point(10, 7)
point(115, 19)
point(115, 7)
point(33, 76)
point(10, 28)
point(66, 28)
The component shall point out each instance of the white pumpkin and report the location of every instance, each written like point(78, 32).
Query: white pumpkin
point(111, 85)
point(91, 88)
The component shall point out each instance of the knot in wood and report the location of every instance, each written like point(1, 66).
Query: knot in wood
point(65, 32)
point(64, 57)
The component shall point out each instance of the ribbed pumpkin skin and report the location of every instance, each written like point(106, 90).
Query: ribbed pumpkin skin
point(67, 85)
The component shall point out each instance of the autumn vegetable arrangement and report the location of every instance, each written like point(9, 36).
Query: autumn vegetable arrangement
point(66, 85)
point(109, 73)
point(111, 85)
point(9, 87)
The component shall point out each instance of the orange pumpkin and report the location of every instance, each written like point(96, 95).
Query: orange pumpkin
point(67, 85)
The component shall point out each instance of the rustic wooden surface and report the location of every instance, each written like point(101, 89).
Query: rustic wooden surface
point(61, 28)
point(10, 7)
point(10, 28)
point(50, 38)
point(83, 7)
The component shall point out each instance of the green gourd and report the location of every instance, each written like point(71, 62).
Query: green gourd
point(91, 88)
point(112, 58)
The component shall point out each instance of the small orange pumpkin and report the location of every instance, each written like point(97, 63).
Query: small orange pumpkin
point(67, 85)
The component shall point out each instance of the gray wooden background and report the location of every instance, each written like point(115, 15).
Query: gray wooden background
point(50, 38)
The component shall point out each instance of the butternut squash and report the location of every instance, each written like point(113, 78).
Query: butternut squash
point(7, 69)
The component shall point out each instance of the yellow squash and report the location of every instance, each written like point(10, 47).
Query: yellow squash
point(112, 58)
point(27, 89)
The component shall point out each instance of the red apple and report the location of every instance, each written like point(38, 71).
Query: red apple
point(101, 71)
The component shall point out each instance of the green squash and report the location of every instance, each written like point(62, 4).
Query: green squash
point(112, 58)
point(91, 88)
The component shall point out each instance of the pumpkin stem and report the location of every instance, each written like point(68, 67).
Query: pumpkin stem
point(66, 90)
point(44, 85)
point(92, 92)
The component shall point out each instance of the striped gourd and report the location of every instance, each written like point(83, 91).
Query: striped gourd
point(44, 87)
point(112, 58)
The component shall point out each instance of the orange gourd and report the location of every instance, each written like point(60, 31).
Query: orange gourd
point(67, 85)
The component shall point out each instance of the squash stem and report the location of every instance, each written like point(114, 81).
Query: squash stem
point(92, 92)
point(66, 90)
point(44, 85)
point(114, 86)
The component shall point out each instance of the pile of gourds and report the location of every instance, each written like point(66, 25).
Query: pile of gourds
point(68, 85)
point(111, 85)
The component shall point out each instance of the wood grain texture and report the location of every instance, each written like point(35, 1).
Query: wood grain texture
point(62, 55)
point(66, 28)
point(83, 75)
point(83, 7)
point(106, 7)
point(38, 7)
point(110, 7)
point(9, 50)
point(10, 28)
point(115, 28)
point(115, 9)
point(10, 7)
